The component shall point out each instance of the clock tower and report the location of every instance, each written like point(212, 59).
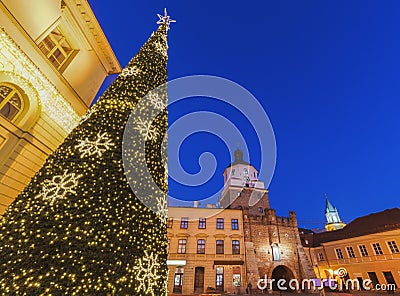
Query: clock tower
point(272, 243)
point(242, 187)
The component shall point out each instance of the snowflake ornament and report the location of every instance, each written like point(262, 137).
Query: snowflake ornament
point(162, 206)
point(59, 186)
point(98, 146)
point(146, 130)
point(157, 101)
point(147, 273)
point(129, 71)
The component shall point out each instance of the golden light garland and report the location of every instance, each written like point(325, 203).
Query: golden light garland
point(91, 235)
point(22, 69)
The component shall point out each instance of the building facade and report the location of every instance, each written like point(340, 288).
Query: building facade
point(206, 250)
point(368, 248)
point(268, 245)
point(53, 59)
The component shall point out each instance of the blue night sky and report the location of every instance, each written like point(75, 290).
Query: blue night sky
point(326, 73)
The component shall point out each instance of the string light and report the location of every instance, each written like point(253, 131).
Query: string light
point(25, 73)
point(78, 225)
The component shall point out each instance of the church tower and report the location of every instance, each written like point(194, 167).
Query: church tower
point(332, 217)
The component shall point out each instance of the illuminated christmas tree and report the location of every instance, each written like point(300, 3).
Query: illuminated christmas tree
point(78, 228)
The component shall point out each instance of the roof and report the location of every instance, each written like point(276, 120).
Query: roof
point(238, 154)
point(369, 224)
point(329, 207)
point(85, 17)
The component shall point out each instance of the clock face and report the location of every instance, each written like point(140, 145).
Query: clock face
point(246, 179)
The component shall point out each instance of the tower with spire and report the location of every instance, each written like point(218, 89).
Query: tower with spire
point(333, 221)
point(272, 242)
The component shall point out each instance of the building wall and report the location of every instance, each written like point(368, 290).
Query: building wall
point(210, 260)
point(328, 264)
point(272, 243)
point(52, 100)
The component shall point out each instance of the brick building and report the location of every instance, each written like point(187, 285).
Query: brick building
point(269, 244)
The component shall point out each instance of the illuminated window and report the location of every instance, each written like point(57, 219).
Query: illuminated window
point(350, 252)
point(57, 49)
point(10, 102)
point(182, 246)
point(220, 223)
point(235, 224)
point(393, 247)
point(276, 255)
point(184, 222)
point(236, 276)
point(202, 223)
point(235, 247)
point(363, 250)
point(220, 246)
point(170, 222)
point(201, 246)
point(377, 249)
point(339, 253)
point(220, 278)
point(178, 279)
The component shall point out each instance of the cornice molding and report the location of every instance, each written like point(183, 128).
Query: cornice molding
point(85, 18)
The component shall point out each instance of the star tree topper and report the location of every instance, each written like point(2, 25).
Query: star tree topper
point(165, 19)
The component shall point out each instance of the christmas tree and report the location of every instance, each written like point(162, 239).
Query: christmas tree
point(78, 228)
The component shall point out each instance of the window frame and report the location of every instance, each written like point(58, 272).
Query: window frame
point(184, 222)
point(321, 256)
point(14, 90)
point(350, 252)
point(339, 253)
point(202, 223)
point(219, 246)
point(182, 246)
point(201, 248)
point(170, 222)
point(236, 223)
point(363, 250)
point(235, 247)
point(377, 248)
point(220, 222)
point(393, 247)
point(219, 277)
point(49, 45)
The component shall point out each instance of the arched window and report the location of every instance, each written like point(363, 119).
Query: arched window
point(10, 101)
